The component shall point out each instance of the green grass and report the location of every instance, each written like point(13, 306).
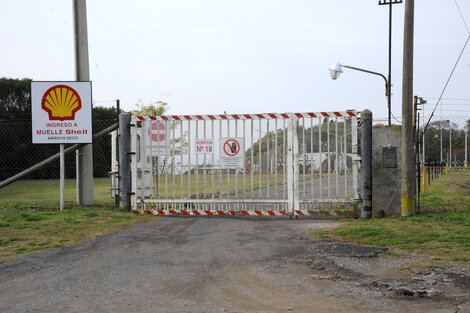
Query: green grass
point(43, 192)
point(27, 230)
point(30, 220)
point(441, 231)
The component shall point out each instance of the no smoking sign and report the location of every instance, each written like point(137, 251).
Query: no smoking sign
point(232, 152)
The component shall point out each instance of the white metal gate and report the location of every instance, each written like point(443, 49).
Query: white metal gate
point(245, 164)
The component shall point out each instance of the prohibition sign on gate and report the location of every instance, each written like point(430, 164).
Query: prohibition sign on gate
point(157, 131)
point(231, 147)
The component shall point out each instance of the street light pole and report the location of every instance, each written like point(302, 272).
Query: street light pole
point(389, 99)
point(336, 70)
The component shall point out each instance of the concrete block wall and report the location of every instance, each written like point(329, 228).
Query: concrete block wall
point(386, 188)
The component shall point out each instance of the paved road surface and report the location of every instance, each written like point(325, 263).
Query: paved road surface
point(223, 264)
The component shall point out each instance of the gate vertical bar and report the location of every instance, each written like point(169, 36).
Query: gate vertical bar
point(252, 160)
point(197, 161)
point(212, 172)
point(336, 157)
point(311, 157)
point(181, 160)
point(236, 169)
point(275, 158)
point(204, 165)
point(328, 155)
point(268, 161)
point(320, 193)
point(345, 158)
point(304, 163)
point(260, 171)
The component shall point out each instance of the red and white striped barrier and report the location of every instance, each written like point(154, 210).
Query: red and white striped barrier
point(196, 212)
point(245, 116)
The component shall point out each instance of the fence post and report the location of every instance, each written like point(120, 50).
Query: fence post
point(425, 177)
point(366, 156)
point(124, 161)
point(447, 169)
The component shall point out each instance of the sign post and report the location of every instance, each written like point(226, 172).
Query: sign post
point(61, 114)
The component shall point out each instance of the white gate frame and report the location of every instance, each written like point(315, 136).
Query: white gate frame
point(143, 176)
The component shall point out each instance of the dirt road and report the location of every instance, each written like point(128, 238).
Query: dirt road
point(226, 265)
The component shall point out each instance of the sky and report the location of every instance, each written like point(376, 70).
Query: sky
point(239, 56)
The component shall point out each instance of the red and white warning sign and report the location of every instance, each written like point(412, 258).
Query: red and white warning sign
point(204, 146)
point(232, 152)
point(157, 137)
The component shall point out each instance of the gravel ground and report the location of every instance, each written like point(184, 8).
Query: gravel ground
point(226, 264)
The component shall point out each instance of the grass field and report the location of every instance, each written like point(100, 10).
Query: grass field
point(30, 220)
point(441, 231)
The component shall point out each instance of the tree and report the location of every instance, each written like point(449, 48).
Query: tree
point(154, 109)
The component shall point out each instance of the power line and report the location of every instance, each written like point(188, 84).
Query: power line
point(445, 87)
point(461, 15)
point(453, 99)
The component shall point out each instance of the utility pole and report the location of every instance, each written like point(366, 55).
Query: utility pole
point(407, 185)
point(389, 85)
point(84, 155)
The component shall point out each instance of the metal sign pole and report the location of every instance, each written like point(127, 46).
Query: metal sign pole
point(62, 177)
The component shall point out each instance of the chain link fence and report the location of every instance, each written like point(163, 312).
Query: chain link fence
point(446, 137)
point(18, 152)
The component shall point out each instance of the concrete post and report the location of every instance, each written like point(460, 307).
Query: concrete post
point(366, 171)
point(125, 161)
point(84, 156)
point(407, 179)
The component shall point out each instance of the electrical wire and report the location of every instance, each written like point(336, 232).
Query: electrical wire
point(461, 15)
point(444, 89)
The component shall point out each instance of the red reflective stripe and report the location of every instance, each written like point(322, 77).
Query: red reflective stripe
point(351, 113)
point(233, 212)
point(224, 117)
point(299, 115)
point(260, 115)
point(172, 212)
point(176, 117)
point(312, 212)
point(196, 212)
point(272, 115)
point(312, 114)
point(212, 117)
point(284, 115)
point(141, 118)
point(199, 117)
point(221, 212)
point(235, 116)
point(248, 116)
point(161, 212)
point(245, 213)
point(208, 212)
point(283, 212)
point(188, 117)
point(337, 114)
point(271, 213)
point(258, 212)
point(164, 118)
point(185, 212)
point(325, 114)
point(299, 212)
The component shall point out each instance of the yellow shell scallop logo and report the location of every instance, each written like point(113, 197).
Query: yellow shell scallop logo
point(61, 102)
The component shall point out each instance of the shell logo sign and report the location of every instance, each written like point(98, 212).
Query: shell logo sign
point(61, 112)
point(61, 102)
